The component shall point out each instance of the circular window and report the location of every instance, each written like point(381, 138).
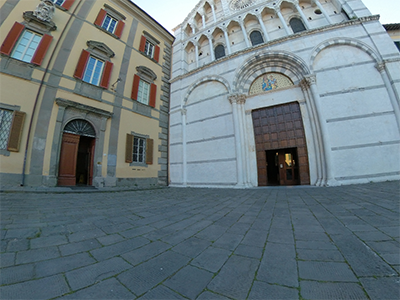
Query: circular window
point(317, 12)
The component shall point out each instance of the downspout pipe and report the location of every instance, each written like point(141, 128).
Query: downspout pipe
point(40, 90)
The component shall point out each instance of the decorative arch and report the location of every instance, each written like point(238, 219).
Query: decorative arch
point(80, 127)
point(282, 62)
point(219, 51)
point(256, 37)
point(297, 24)
point(203, 80)
point(345, 42)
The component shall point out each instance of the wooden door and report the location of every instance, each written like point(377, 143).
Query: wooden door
point(68, 156)
point(91, 160)
point(288, 170)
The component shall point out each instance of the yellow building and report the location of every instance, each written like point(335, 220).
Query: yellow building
point(394, 32)
point(84, 94)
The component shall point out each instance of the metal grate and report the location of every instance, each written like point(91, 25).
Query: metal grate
point(80, 127)
point(5, 127)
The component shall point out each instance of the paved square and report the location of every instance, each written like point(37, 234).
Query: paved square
point(170, 243)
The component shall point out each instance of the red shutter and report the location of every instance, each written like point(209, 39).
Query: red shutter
point(100, 17)
point(120, 27)
point(12, 38)
point(42, 49)
point(153, 93)
point(135, 87)
point(157, 53)
point(105, 80)
point(67, 4)
point(80, 68)
point(142, 43)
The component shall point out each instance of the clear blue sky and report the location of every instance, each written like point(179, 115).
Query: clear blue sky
point(171, 13)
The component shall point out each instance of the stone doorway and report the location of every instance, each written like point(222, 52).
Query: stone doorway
point(281, 149)
point(77, 154)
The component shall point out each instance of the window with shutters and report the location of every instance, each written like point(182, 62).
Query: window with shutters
point(11, 125)
point(25, 44)
point(93, 71)
point(144, 90)
point(6, 117)
point(63, 4)
point(94, 65)
point(149, 47)
point(111, 21)
point(139, 149)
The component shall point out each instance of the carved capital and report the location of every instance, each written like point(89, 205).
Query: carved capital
point(237, 98)
point(380, 67)
point(311, 79)
point(183, 111)
point(304, 84)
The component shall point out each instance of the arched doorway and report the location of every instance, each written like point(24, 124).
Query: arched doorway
point(77, 154)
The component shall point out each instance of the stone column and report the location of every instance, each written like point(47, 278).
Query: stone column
point(321, 8)
point(241, 23)
point(238, 100)
point(278, 12)
point(210, 40)
point(203, 17)
point(196, 49)
point(228, 43)
point(184, 156)
point(316, 141)
point(193, 25)
point(260, 20)
point(303, 16)
point(382, 69)
point(329, 180)
point(212, 3)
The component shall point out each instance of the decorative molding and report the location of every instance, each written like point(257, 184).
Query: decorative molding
point(146, 74)
point(237, 98)
point(99, 46)
point(68, 103)
point(33, 21)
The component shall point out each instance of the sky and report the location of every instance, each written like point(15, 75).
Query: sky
point(170, 13)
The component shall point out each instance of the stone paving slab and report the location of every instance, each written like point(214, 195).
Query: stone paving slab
point(171, 243)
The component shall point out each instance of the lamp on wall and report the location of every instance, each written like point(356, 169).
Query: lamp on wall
point(115, 83)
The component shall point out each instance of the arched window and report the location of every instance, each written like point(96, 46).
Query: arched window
point(297, 25)
point(80, 127)
point(256, 38)
point(219, 51)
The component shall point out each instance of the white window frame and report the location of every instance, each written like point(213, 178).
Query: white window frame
point(5, 126)
point(144, 92)
point(27, 51)
point(89, 75)
point(58, 2)
point(108, 26)
point(139, 150)
point(149, 48)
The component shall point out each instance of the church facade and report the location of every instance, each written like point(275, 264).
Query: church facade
point(283, 92)
point(84, 94)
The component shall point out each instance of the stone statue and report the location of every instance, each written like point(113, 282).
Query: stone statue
point(45, 10)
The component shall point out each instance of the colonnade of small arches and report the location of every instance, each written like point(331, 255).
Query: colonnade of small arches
point(211, 35)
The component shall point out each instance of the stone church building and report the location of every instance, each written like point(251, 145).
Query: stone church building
point(283, 92)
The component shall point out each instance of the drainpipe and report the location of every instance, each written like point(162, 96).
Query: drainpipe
point(39, 91)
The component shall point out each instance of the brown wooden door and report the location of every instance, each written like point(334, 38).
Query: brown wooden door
point(68, 156)
point(288, 170)
point(91, 160)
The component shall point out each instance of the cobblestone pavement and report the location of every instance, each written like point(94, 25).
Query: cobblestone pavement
point(264, 243)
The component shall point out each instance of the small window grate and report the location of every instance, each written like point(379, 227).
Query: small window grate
point(6, 117)
point(80, 127)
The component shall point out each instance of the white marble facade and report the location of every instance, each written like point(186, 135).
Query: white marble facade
point(345, 74)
